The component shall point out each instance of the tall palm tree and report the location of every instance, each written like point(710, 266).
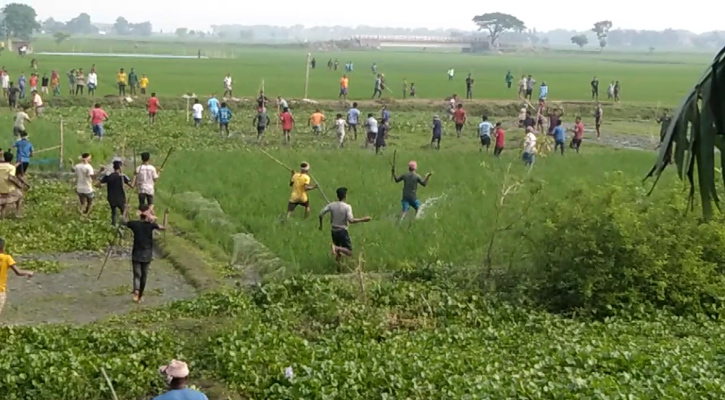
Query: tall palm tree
point(693, 133)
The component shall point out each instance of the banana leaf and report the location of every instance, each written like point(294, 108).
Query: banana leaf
point(703, 114)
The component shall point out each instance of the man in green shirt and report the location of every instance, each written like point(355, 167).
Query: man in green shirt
point(411, 180)
point(509, 79)
point(132, 81)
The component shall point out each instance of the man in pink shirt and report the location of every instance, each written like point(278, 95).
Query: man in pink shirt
point(153, 107)
point(97, 116)
point(576, 142)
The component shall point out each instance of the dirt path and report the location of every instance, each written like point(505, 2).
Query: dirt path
point(76, 296)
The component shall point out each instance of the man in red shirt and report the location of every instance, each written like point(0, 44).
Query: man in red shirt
point(97, 116)
point(287, 124)
point(153, 106)
point(459, 117)
point(500, 141)
point(576, 141)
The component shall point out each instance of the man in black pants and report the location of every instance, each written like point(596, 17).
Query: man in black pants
point(143, 246)
point(116, 195)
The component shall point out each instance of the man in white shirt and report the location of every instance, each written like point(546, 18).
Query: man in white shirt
point(92, 82)
point(372, 125)
point(197, 111)
point(20, 119)
point(5, 82)
point(484, 132)
point(282, 103)
point(340, 217)
point(228, 85)
point(451, 72)
point(529, 147)
point(84, 183)
point(145, 181)
point(37, 103)
point(340, 123)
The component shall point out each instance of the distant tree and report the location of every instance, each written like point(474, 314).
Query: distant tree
point(181, 32)
point(580, 40)
point(192, 32)
point(81, 25)
point(651, 49)
point(60, 37)
point(602, 28)
point(142, 29)
point(20, 20)
point(497, 24)
point(52, 26)
point(122, 27)
point(246, 34)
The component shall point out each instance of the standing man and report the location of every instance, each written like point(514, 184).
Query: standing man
point(144, 83)
point(228, 86)
point(145, 180)
point(80, 81)
point(153, 107)
point(411, 180)
point(23, 152)
point(378, 91)
point(37, 103)
point(44, 83)
point(529, 153)
point(72, 81)
point(288, 122)
point(197, 111)
point(5, 82)
point(509, 79)
point(469, 87)
point(405, 89)
point(353, 117)
point(92, 82)
point(84, 184)
point(617, 92)
point(484, 132)
point(344, 85)
point(522, 86)
point(121, 80)
point(13, 96)
point(559, 137)
point(340, 218)
point(143, 246)
point(595, 88)
point(543, 93)
point(22, 83)
point(225, 115)
point(116, 194)
point(530, 87)
point(300, 184)
point(213, 105)
point(437, 133)
point(598, 114)
point(261, 121)
point(8, 263)
point(451, 72)
point(97, 116)
point(576, 142)
point(132, 81)
point(459, 117)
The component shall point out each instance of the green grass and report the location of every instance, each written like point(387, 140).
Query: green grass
point(645, 78)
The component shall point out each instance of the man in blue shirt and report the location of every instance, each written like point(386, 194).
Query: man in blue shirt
point(385, 116)
point(213, 105)
point(543, 91)
point(22, 81)
point(353, 118)
point(559, 137)
point(24, 151)
point(225, 114)
point(437, 132)
point(177, 375)
point(484, 131)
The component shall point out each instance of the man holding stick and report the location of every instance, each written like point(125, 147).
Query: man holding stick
point(411, 180)
point(340, 217)
point(300, 184)
point(143, 246)
point(145, 179)
point(116, 195)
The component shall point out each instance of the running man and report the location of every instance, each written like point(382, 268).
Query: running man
point(11, 187)
point(576, 141)
point(372, 127)
point(225, 115)
point(353, 117)
point(559, 137)
point(21, 117)
point(213, 105)
point(459, 117)
point(437, 133)
point(340, 124)
point(300, 184)
point(484, 133)
point(288, 122)
point(23, 153)
point(261, 121)
point(96, 117)
point(411, 180)
point(142, 252)
point(84, 184)
point(344, 85)
point(197, 111)
point(316, 120)
point(145, 180)
point(153, 106)
point(469, 87)
point(529, 153)
point(8, 263)
point(380, 137)
point(598, 114)
point(227, 85)
point(500, 135)
point(116, 194)
point(340, 218)
point(378, 90)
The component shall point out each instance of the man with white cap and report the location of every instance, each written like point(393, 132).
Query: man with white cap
point(411, 180)
point(177, 375)
point(300, 184)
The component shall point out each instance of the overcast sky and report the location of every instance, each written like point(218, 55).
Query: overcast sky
point(695, 15)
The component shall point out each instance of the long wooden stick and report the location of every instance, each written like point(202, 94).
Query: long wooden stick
point(48, 149)
point(110, 385)
point(167, 158)
point(276, 160)
point(61, 144)
point(320, 189)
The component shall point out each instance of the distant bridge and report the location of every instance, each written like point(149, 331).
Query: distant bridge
point(382, 41)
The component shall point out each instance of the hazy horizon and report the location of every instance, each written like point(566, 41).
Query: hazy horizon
point(378, 13)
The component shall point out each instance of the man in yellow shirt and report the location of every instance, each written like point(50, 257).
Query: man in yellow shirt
point(316, 120)
point(144, 84)
point(300, 184)
point(121, 79)
point(7, 263)
point(10, 186)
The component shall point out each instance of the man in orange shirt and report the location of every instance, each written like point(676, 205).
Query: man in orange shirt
point(459, 117)
point(316, 120)
point(344, 84)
